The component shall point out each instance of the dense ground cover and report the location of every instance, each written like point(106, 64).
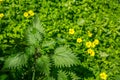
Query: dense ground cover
point(59, 40)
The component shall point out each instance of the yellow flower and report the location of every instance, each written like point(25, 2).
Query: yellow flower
point(1, 0)
point(71, 31)
point(79, 40)
point(103, 75)
point(1, 15)
point(31, 13)
point(88, 44)
point(96, 41)
point(93, 45)
point(91, 52)
point(89, 34)
point(25, 14)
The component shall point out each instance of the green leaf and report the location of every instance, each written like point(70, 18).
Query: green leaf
point(103, 54)
point(16, 61)
point(31, 40)
point(48, 43)
point(48, 78)
point(64, 57)
point(38, 36)
point(62, 75)
point(74, 76)
point(81, 22)
point(30, 50)
point(37, 25)
point(34, 34)
point(43, 64)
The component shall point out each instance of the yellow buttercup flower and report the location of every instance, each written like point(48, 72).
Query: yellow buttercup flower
point(88, 44)
point(31, 13)
point(1, 15)
point(79, 40)
point(103, 75)
point(1, 0)
point(91, 52)
point(26, 14)
point(71, 31)
point(89, 34)
point(93, 45)
point(96, 41)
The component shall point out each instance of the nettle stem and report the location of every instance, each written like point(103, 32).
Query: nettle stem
point(36, 55)
point(33, 76)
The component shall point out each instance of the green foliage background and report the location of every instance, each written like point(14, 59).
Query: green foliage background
point(20, 37)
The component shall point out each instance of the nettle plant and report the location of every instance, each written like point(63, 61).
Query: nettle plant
point(39, 58)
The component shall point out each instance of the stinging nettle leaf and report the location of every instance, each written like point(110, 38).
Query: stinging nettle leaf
point(30, 50)
point(48, 78)
point(62, 75)
point(64, 57)
point(43, 64)
point(31, 39)
point(48, 43)
point(16, 61)
point(73, 76)
point(37, 25)
point(34, 34)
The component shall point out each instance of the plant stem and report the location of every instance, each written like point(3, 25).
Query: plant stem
point(33, 76)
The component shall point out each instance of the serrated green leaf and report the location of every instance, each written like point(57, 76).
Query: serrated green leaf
point(48, 43)
point(34, 38)
point(38, 37)
point(48, 78)
point(62, 75)
point(74, 76)
point(43, 64)
point(31, 40)
point(16, 61)
point(64, 57)
point(37, 25)
point(30, 50)
point(34, 34)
